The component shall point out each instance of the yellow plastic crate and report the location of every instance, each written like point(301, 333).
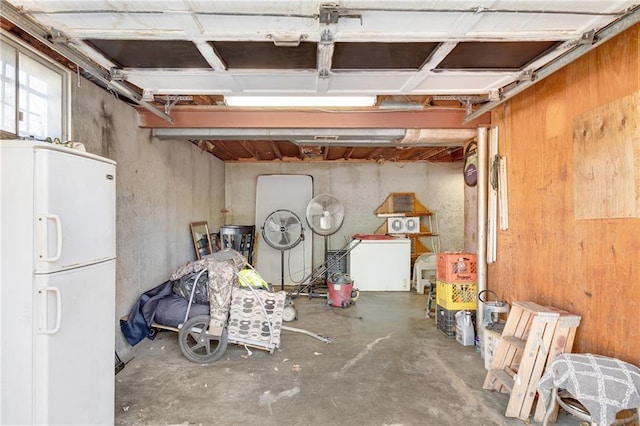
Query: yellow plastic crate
point(456, 296)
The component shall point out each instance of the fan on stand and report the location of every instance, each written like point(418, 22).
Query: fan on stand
point(282, 230)
point(325, 215)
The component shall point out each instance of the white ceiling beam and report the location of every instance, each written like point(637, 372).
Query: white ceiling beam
point(210, 56)
point(427, 68)
point(195, 29)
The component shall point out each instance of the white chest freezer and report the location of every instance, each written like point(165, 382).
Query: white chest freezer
point(379, 264)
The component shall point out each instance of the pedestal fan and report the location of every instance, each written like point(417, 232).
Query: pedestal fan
point(325, 215)
point(282, 230)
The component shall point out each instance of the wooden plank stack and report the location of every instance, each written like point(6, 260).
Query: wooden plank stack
point(533, 336)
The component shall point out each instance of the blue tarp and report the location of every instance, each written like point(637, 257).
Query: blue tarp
point(138, 325)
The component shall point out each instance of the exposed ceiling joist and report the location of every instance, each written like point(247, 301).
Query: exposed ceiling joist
point(216, 148)
point(374, 154)
point(325, 152)
point(437, 65)
point(275, 149)
point(348, 153)
point(432, 153)
point(252, 152)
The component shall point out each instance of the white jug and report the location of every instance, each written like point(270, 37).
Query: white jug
point(465, 334)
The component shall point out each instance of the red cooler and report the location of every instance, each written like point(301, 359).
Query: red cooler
point(340, 287)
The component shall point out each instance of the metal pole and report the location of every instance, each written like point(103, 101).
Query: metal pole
point(282, 269)
point(482, 225)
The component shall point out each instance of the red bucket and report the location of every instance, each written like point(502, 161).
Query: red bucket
point(340, 288)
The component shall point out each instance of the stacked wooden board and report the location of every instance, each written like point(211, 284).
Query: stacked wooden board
point(533, 336)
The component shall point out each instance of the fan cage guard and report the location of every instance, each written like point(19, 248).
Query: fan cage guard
point(283, 219)
point(326, 202)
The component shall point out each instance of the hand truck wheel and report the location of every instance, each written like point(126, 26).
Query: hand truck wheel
point(199, 346)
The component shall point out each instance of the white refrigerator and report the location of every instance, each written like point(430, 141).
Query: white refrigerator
point(57, 285)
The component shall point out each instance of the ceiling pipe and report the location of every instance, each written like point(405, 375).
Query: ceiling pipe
point(608, 32)
point(11, 13)
point(399, 138)
point(311, 134)
point(437, 137)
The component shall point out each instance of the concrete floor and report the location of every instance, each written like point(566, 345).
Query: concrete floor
point(387, 365)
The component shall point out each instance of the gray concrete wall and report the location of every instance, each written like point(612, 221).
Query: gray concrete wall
point(361, 187)
point(162, 186)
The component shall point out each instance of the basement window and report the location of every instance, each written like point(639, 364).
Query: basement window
point(33, 91)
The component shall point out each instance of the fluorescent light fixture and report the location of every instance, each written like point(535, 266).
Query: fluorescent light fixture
point(300, 101)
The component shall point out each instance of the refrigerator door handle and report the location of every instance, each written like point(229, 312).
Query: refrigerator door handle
point(43, 238)
point(43, 328)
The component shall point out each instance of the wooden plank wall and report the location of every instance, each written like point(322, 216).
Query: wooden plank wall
point(550, 255)
point(606, 145)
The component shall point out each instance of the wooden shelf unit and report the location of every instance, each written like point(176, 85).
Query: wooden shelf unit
point(405, 204)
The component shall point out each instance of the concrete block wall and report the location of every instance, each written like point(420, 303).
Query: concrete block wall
point(361, 187)
point(161, 187)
